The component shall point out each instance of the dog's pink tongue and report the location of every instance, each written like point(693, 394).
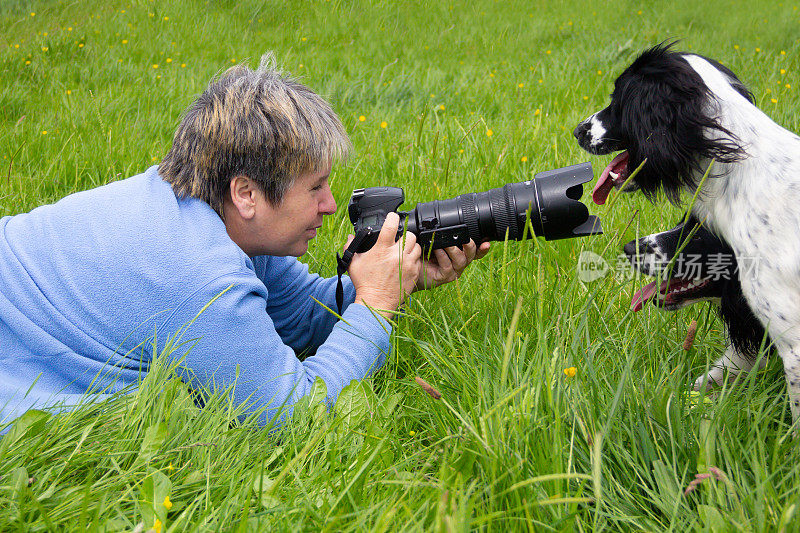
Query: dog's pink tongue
point(605, 182)
point(643, 295)
point(603, 187)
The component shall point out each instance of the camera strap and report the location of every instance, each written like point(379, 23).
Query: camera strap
point(343, 263)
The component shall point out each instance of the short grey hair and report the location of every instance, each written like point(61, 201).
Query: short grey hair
point(262, 124)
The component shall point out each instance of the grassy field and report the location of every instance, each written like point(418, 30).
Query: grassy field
point(560, 410)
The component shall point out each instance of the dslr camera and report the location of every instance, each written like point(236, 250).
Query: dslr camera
point(550, 201)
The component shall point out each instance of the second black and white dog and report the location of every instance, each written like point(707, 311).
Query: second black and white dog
point(678, 113)
point(693, 265)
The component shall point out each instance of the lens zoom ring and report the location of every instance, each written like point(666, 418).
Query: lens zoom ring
point(503, 215)
point(471, 216)
point(515, 232)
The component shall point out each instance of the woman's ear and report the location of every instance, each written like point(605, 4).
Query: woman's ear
point(244, 196)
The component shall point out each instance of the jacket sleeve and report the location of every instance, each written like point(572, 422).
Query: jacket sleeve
point(297, 300)
point(231, 341)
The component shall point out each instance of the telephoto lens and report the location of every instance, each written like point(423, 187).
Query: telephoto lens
point(552, 198)
point(551, 201)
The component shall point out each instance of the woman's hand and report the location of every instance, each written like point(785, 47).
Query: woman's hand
point(376, 273)
point(446, 264)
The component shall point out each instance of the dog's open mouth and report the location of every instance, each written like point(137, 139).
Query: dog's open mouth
point(670, 294)
point(614, 175)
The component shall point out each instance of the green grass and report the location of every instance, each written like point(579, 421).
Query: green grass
point(514, 443)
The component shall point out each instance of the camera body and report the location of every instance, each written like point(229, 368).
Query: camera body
point(368, 209)
point(550, 202)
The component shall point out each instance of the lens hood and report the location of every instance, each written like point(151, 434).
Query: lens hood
point(561, 213)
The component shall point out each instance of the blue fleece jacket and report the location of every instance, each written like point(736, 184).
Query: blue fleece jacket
point(93, 286)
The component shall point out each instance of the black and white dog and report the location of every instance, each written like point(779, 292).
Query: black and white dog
point(693, 265)
point(680, 112)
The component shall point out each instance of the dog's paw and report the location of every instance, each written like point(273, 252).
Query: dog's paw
point(710, 380)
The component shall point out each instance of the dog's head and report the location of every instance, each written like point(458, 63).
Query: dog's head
point(692, 265)
point(663, 112)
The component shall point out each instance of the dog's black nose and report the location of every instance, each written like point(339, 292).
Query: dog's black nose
point(581, 131)
point(637, 248)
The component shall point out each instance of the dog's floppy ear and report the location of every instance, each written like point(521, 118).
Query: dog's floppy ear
point(745, 331)
point(654, 110)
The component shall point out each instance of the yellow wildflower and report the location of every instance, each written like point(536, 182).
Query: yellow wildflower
point(169, 60)
point(412, 433)
point(570, 372)
point(521, 85)
point(167, 503)
point(489, 133)
point(157, 526)
point(155, 65)
point(441, 106)
point(524, 158)
point(124, 41)
point(384, 124)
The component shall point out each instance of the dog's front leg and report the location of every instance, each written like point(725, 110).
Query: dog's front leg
point(781, 315)
point(790, 354)
point(732, 361)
